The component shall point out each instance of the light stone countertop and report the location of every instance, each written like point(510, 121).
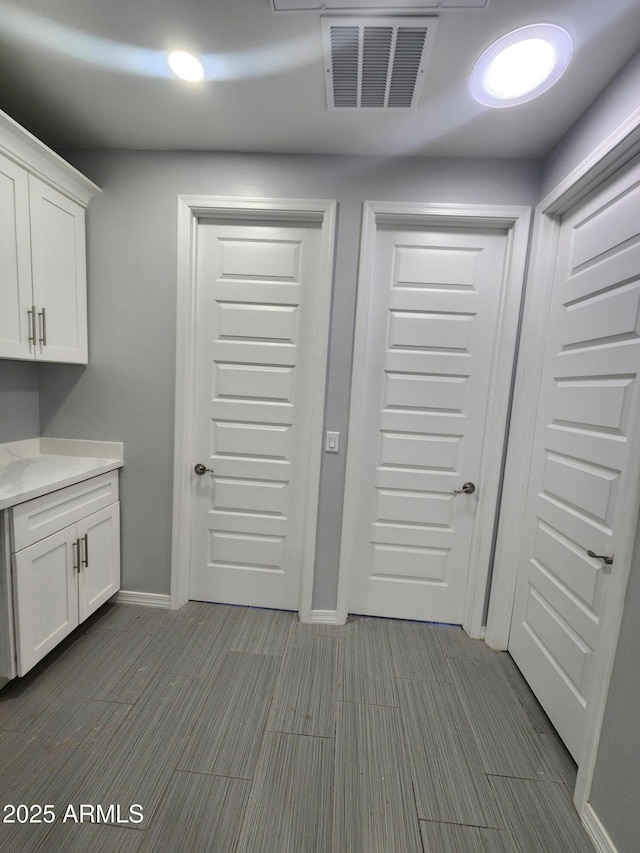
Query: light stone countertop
point(38, 466)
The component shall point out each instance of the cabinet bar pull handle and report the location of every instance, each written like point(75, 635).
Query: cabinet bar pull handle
point(31, 314)
point(85, 539)
point(43, 316)
point(76, 555)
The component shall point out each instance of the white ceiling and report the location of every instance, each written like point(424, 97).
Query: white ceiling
point(91, 74)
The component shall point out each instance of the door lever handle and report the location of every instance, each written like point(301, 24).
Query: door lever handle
point(468, 489)
point(607, 560)
point(201, 469)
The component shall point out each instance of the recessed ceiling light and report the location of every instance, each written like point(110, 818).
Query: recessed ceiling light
point(186, 66)
point(521, 65)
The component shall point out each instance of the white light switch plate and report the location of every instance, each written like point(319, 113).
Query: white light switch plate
point(332, 443)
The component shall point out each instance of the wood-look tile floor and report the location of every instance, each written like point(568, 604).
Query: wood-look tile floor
point(236, 730)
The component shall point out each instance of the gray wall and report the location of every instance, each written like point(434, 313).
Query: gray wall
point(127, 391)
point(616, 786)
point(19, 418)
point(608, 112)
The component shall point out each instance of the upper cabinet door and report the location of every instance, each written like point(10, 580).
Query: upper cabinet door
point(15, 263)
point(58, 258)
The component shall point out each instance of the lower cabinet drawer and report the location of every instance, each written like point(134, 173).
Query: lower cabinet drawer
point(40, 517)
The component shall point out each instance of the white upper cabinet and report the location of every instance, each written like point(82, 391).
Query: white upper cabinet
point(15, 261)
point(43, 291)
point(58, 272)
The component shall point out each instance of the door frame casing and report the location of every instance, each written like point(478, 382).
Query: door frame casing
point(191, 210)
point(613, 154)
point(515, 220)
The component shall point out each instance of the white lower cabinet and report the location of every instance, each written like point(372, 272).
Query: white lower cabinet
point(46, 596)
point(99, 554)
point(61, 576)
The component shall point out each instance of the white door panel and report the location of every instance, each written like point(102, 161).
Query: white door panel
point(581, 481)
point(257, 294)
point(432, 316)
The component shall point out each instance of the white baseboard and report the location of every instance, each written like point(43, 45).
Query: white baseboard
point(146, 599)
point(596, 831)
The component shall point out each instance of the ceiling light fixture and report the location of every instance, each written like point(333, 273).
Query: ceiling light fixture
point(186, 66)
point(521, 65)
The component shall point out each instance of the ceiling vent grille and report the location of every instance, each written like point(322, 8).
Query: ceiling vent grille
point(377, 63)
point(390, 7)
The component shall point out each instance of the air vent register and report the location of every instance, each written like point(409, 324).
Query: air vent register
point(376, 63)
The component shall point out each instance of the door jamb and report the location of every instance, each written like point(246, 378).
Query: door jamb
point(516, 221)
point(191, 209)
point(614, 153)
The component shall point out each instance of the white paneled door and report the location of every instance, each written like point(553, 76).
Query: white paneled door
point(432, 324)
point(257, 304)
point(582, 495)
